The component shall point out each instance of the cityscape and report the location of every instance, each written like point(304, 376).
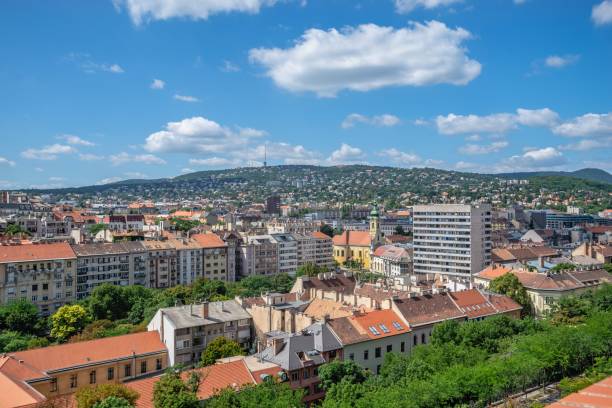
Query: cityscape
point(265, 203)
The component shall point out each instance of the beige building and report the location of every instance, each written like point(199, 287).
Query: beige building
point(32, 376)
point(44, 274)
point(189, 260)
point(214, 257)
point(163, 264)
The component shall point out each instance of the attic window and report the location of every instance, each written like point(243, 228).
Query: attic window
point(374, 331)
point(384, 328)
point(398, 326)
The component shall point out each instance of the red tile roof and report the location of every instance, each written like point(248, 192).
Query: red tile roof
point(476, 304)
point(428, 309)
point(209, 240)
point(320, 235)
point(379, 320)
point(353, 238)
point(598, 395)
point(35, 252)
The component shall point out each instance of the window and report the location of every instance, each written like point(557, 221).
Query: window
point(415, 340)
point(378, 369)
point(127, 370)
point(398, 326)
point(352, 356)
point(365, 354)
point(402, 347)
point(73, 381)
point(306, 373)
point(295, 376)
point(92, 377)
point(377, 352)
point(45, 286)
point(34, 288)
point(374, 331)
point(53, 384)
point(423, 340)
point(384, 328)
point(158, 364)
point(110, 373)
point(389, 348)
point(143, 367)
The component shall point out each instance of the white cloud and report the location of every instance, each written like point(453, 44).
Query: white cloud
point(55, 178)
point(75, 140)
point(198, 134)
point(406, 6)
point(346, 154)
point(496, 123)
point(290, 154)
point(123, 157)
point(590, 124)
point(185, 98)
point(401, 158)
point(85, 62)
point(157, 84)
point(473, 138)
point(215, 162)
point(6, 162)
point(560, 61)
point(135, 175)
point(589, 144)
point(109, 180)
point(229, 66)
point(47, 152)
point(463, 165)
point(90, 157)
point(483, 149)
point(546, 157)
point(420, 122)
point(326, 62)
point(186, 170)
point(141, 11)
point(115, 69)
point(385, 120)
point(602, 13)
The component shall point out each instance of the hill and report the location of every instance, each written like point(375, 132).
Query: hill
point(583, 174)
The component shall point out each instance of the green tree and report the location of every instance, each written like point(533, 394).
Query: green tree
point(172, 392)
point(21, 316)
point(399, 230)
point(508, 284)
point(562, 266)
point(108, 302)
point(14, 229)
point(88, 397)
point(310, 269)
point(220, 347)
point(608, 267)
point(337, 371)
point(268, 394)
point(327, 230)
point(95, 228)
point(113, 402)
point(67, 321)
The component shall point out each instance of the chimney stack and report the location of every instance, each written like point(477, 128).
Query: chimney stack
point(205, 310)
point(277, 345)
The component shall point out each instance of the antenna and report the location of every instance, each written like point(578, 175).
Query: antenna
point(265, 155)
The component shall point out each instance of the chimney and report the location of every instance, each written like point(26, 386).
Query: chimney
point(205, 310)
point(277, 345)
point(541, 259)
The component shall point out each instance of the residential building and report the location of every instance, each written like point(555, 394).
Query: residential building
point(367, 336)
point(189, 260)
point(287, 249)
point(555, 220)
point(33, 376)
point(358, 246)
point(300, 356)
point(121, 264)
point(215, 257)
point(163, 264)
point(323, 254)
point(390, 260)
point(129, 222)
point(44, 274)
point(273, 205)
point(277, 312)
point(187, 330)
point(259, 256)
point(451, 239)
point(602, 253)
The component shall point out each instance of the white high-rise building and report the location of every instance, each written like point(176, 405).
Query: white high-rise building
point(451, 239)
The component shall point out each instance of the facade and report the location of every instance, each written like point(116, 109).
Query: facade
point(215, 257)
point(189, 260)
point(44, 274)
point(259, 256)
point(451, 239)
point(557, 221)
point(163, 264)
point(390, 260)
point(187, 330)
point(315, 248)
point(353, 246)
point(273, 205)
point(39, 374)
point(121, 264)
point(287, 247)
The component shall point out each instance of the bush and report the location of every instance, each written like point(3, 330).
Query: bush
point(88, 397)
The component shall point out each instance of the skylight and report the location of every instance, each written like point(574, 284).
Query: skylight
point(398, 326)
point(384, 328)
point(374, 331)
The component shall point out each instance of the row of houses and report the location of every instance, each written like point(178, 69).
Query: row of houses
point(51, 275)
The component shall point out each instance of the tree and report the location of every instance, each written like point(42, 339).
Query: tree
point(562, 266)
point(108, 302)
point(310, 269)
point(399, 230)
point(268, 394)
point(171, 392)
point(113, 402)
point(327, 230)
point(21, 316)
point(508, 284)
point(95, 228)
point(88, 397)
point(220, 347)
point(68, 321)
point(608, 267)
point(14, 229)
point(337, 371)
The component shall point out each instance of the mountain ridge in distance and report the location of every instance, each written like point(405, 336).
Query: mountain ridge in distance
point(591, 174)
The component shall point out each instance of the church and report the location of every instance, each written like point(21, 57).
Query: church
point(359, 246)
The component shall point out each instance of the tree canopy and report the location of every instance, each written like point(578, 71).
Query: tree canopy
point(96, 396)
point(220, 347)
point(508, 284)
point(67, 321)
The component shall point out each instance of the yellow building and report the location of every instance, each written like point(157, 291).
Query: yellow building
point(358, 245)
point(32, 376)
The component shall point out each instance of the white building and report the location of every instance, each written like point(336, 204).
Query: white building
point(287, 253)
point(391, 261)
point(452, 239)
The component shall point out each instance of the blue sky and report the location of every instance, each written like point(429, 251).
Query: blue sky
point(100, 91)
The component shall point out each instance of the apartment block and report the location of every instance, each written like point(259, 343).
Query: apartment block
point(163, 264)
point(122, 264)
point(189, 260)
point(187, 330)
point(287, 252)
point(259, 255)
point(41, 273)
point(315, 248)
point(451, 239)
point(214, 257)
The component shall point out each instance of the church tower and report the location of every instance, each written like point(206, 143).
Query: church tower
point(375, 234)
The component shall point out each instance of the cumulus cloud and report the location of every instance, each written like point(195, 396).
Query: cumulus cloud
point(215, 162)
point(496, 123)
point(602, 13)
point(6, 162)
point(198, 134)
point(86, 63)
point(401, 158)
point(229, 66)
point(141, 11)
point(589, 144)
point(157, 84)
point(346, 154)
point(474, 149)
point(406, 6)
point(75, 140)
point(109, 180)
point(123, 157)
point(546, 157)
point(463, 165)
point(185, 98)
point(327, 62)
point(590, 124)
point(385, 120)
point(560, 61)
point(49, 152)
point(90, 157)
